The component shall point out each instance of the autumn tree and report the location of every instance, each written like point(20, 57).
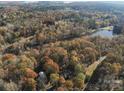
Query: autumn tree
point(50, 66)
point(29, 85)
point(69, 84)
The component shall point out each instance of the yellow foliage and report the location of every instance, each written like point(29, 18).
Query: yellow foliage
point(69, 84)
point(75, 59)
point(116, 68)
point(54, 77)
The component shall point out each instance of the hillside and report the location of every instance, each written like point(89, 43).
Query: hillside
point(49, 46)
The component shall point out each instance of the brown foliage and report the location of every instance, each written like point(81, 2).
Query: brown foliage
point(9, 57)
point(49, 64)
point(69, 84)
point(61, 80)
point(30, 73)
point(60, 89)
point(29, 84)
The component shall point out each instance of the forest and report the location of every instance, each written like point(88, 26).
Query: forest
point(50, 46)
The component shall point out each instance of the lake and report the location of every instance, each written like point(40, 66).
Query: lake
point(103, 33)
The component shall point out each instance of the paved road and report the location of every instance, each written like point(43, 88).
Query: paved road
point(90, 70)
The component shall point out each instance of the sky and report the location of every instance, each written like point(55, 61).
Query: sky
point(61, 0)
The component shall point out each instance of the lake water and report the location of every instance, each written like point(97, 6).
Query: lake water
point(103, 33)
